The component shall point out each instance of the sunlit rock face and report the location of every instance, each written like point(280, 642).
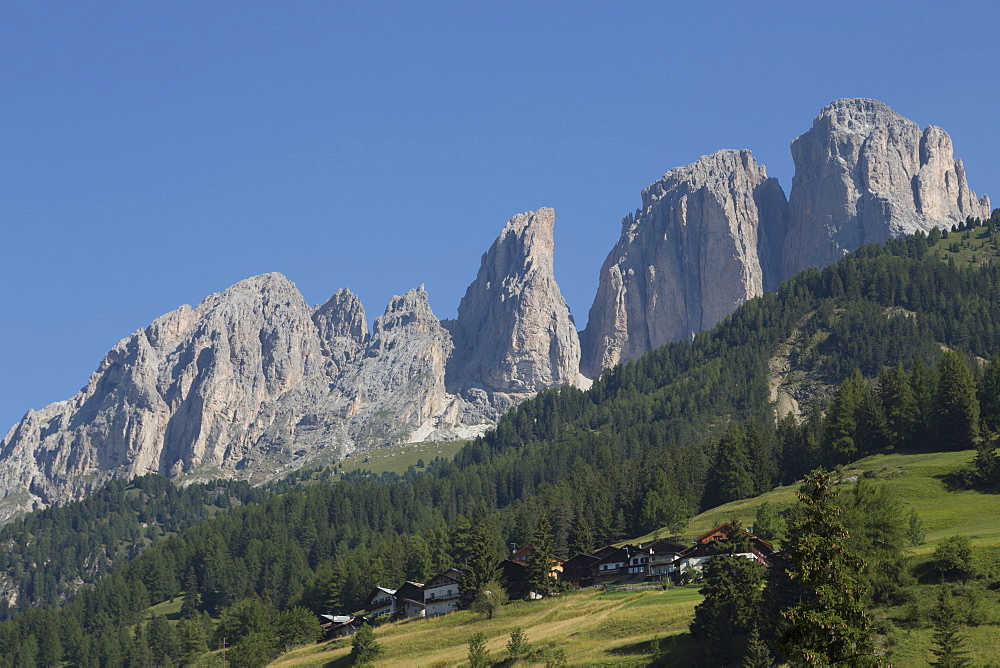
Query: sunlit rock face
point(864, 173)
point(687, 258)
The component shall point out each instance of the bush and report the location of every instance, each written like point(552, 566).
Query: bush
point(365, 648)
point(953, 558)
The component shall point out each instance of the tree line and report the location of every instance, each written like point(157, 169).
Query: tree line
point(651, 443)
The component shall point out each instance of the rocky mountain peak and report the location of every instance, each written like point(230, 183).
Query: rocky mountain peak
point(343, 329)
point(514, 333)
point(686, 259)
point(864, 173)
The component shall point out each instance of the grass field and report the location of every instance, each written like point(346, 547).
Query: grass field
point(969, 247)
point(591, 627)
point(918, 480)
point(616, 628)
point(398, 458)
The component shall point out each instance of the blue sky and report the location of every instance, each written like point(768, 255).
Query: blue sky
point(154, 153)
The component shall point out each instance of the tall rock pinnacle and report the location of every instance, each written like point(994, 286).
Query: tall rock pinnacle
point(685, 260)
point(514, 334)
point(864, 173)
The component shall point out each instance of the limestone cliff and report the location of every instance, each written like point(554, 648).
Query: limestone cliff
point(514, 334)
point(864, 173)
point(686, 259)
point(185, 393)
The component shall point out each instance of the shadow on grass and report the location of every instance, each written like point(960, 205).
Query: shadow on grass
point(964, 480)
point(342, 662)
point(671, 650)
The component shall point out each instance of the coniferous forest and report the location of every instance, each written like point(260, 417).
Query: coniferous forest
point(897, 347)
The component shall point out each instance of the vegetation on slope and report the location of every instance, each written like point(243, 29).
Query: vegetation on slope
point(644, 447)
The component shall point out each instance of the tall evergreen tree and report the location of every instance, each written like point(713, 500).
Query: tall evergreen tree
point(986, 466)
point(733, 593)
point(957, 405)
point(483, 561)
point(542, 558)
point(731, 475)
point(923, 380)
point(829, 626)
point(841, 442)
point(949, 644)
point(583, 536)
point(899, 406)
point(989, 395)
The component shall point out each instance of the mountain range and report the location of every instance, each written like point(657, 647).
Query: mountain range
point(253, 382)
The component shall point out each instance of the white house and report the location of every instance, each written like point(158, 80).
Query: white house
point(441, 593)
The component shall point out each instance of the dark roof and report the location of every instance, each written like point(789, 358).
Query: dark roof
point(413, 591)
point(663, 546)
point(442, 578)
point(580, 560)
point(605, 551)
point(619, 554)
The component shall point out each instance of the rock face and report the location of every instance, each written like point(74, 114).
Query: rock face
point(686, 259)
point(514, 334)
point(864, 173)
point(254, 383)
point(185, 393)
point(343, 329)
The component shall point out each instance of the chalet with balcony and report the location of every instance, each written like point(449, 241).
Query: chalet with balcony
point(441, 593)
point(380, 603)
point(410, 600)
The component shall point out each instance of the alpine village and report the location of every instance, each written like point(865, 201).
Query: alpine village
point(773, 443)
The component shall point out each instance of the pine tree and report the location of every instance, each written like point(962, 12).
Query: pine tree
point(829, 626)
point(733, 591)
point(841, 442)
point(731, 475)
point(483, 560)
point(924, 383)
point(189, 608)
point(957, 426)
point(986, 466)
point(899, 406)
point(583, 536)
point(757, 654)
point(193, 642)
point(542, 558)
point(949, 644)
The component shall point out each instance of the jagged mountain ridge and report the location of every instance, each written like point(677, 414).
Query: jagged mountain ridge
point(711, 234)
point(252, 382)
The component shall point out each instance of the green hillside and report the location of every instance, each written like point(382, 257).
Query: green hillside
point(615, 628)
point(919, 480)
point(590, 627)
point(685, 428)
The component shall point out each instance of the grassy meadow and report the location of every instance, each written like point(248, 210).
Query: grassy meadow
point(592, 627)
point(919, 480)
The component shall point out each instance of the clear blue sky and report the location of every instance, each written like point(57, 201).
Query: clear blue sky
point(153, 153)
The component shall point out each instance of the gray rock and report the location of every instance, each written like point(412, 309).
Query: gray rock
point(686, 259)
point(184, 394)
point(343, 329)
point(864, 173)
point(514, 334)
